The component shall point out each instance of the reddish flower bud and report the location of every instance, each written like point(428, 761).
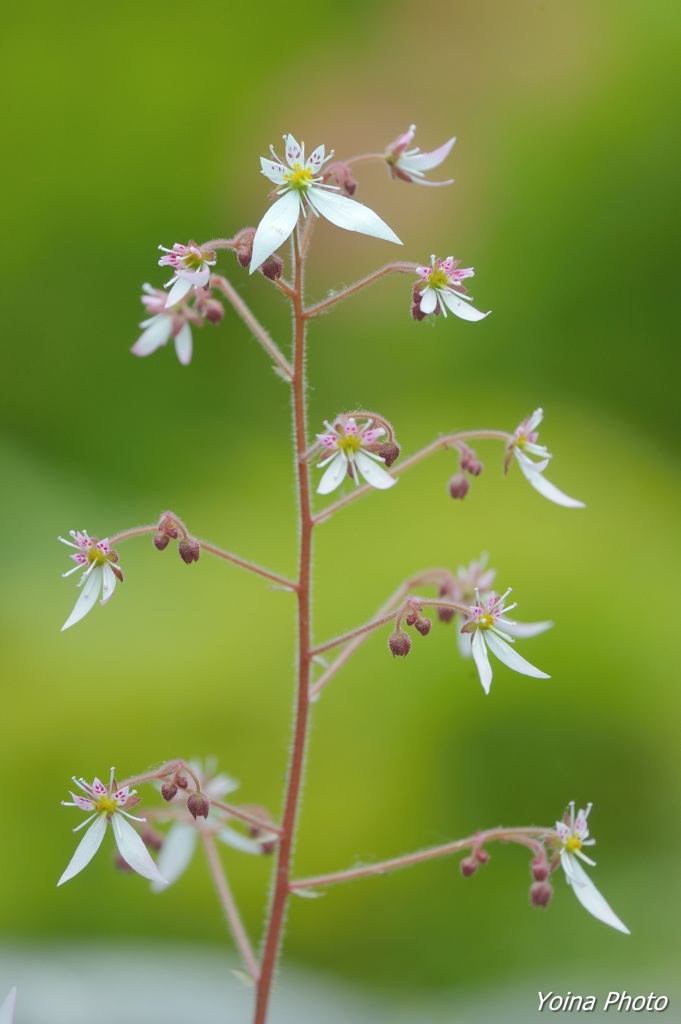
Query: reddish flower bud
point(422, 626)
point(540, 894)
point(198, 805)
point(482, 856)
point(161, 541)
point(341, 174)
point(445, 614)
point(471, 463)
point(244, 246)
point(411, 619)
point(272, 267)
point(468, 866)
point(389, 452)
point(458, 486)
point(540, 869)
point(213, 310)
point(189, 550)
point(168, 790)
point(399, 644)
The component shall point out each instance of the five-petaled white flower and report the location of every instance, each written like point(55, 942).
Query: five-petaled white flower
point(108, 804)
point(573, 834)
point(522, 445)
point(8, 1007)
point(352, 452)
point(411, 164)
point(442, 290)
point(301, 188)
point(191, 266)
point(98, 559)
point(164, 325)
point(179, 844)
point(483, 624)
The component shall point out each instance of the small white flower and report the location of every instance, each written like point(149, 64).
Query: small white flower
point(573, 834)
point(483, 623)
point(352, 453)
point(301, 189)
point(164, 325)
point(441, 290)
point(100, 575)
point(191, 266)
point(524, 444)
point(411, 164)
point(108, 805)
point(8, 1007)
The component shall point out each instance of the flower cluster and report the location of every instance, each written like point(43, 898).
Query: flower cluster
point(100, 575)
point(440, 289)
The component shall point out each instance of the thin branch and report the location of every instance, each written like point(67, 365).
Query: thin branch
point(389, 268)
point(256, 328)
point(250, 819)
point(229, 906)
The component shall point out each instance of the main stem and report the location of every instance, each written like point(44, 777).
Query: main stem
point(280, 895)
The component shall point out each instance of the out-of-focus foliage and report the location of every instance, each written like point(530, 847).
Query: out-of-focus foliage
point(143, 124)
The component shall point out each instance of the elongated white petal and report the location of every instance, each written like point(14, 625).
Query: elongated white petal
point(521, 630)
point(424, 181)
point(86, 599)
point(157, 333)
point(175, 855)
point(511, 658)
point(178, 291)
point(346, 213)
point(133, 851)
point(373, 472)
point(275, 228)
point(8, 1007)
point(238, 841)
point(463, 640)
point(461, 308)
point(183, 344)
point(333, 477)
point(526, 464)
point(590, 898)
point(108, 583)
point(86, 849)
point(428, 300)
point(316, 159)
point(481, 658)
point(550, 491)
point(273, 170)
point(426, 161)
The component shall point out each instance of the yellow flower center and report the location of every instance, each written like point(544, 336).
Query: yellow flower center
point(485, 621)
point(96, 557)
point(105, 805)
point(349, 444)
point(192, 261)
point(299, 178)
point(573, 844)
point(438, 279)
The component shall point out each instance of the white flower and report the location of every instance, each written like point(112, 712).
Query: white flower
point(352, 452)
point(524, 444)
point(108, 805)
point(442, 290)
point(166, 324)
point(410, 164)
point(191, 266)
point(482, 625)
point(100, 574)
point(179, 844)
point(573, 834)
point(8, 1007)
point(301, 188)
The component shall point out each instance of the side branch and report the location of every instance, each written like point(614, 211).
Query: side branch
point(229, 906)
point(256, 328)
point(389, 268)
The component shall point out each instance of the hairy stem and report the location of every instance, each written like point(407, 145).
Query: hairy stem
point(389, 268)
point(228, 905)
point(256, 328)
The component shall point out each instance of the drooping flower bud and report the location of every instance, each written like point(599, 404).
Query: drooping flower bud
point(458, 486)
point(341, 174)
point(540, 868)
point(470, 462)
point(468, 866)
point(272, 267)
point(189, 550)
point(243, 241)
point(198, 805)
point(389, 451)
point(399, 644)
point(540, 894)
point(168, 790)
point(161, 541)
point(181, 781)
point(423, 626)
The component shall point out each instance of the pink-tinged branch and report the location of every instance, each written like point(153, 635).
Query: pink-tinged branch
point(254, 326)
point(344, 293)
point(229, 906)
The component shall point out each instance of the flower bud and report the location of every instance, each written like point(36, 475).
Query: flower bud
point(168, 790)
point(161, 541)
point(189, 550)
point(272, 267)
point(481, 856)
point(445, 614)
point(198, 805)
point(411, 619)
point(243, 241)
point(422, 626)
point(468, 866)
point(540, 894)
point(213, 310)
point(343, 177)
point(399, 644)
point(181, 781)
point(458, 486)
point(540, 869)
point(471, 463)
point(389, 451)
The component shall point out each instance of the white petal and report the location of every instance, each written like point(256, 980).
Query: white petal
point(86, 849)
point(157, 333)
point(108, 583)
point(463, 640)
point(550, 491)
point(481, 658)
point(428, 300)
point(87, 598)
point(238, 841)
point(316, 160)
point(183, 344)
point(459, 307)
point(175, 854)
point(373, 472)
point(527, 466)
point(178, 291)
point(275, 228)
point(273, 170)
point(8, 1007)
point(294, 152)
point(511, 658)
point(521, 630)
point(346, 213)
point(426, 161)
point(133, 851)
point(590, 898)
point(333, 477)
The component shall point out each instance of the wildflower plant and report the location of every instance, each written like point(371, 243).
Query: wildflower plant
point(355, 454)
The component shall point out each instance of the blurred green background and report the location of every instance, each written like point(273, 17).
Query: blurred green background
point(142, 125)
